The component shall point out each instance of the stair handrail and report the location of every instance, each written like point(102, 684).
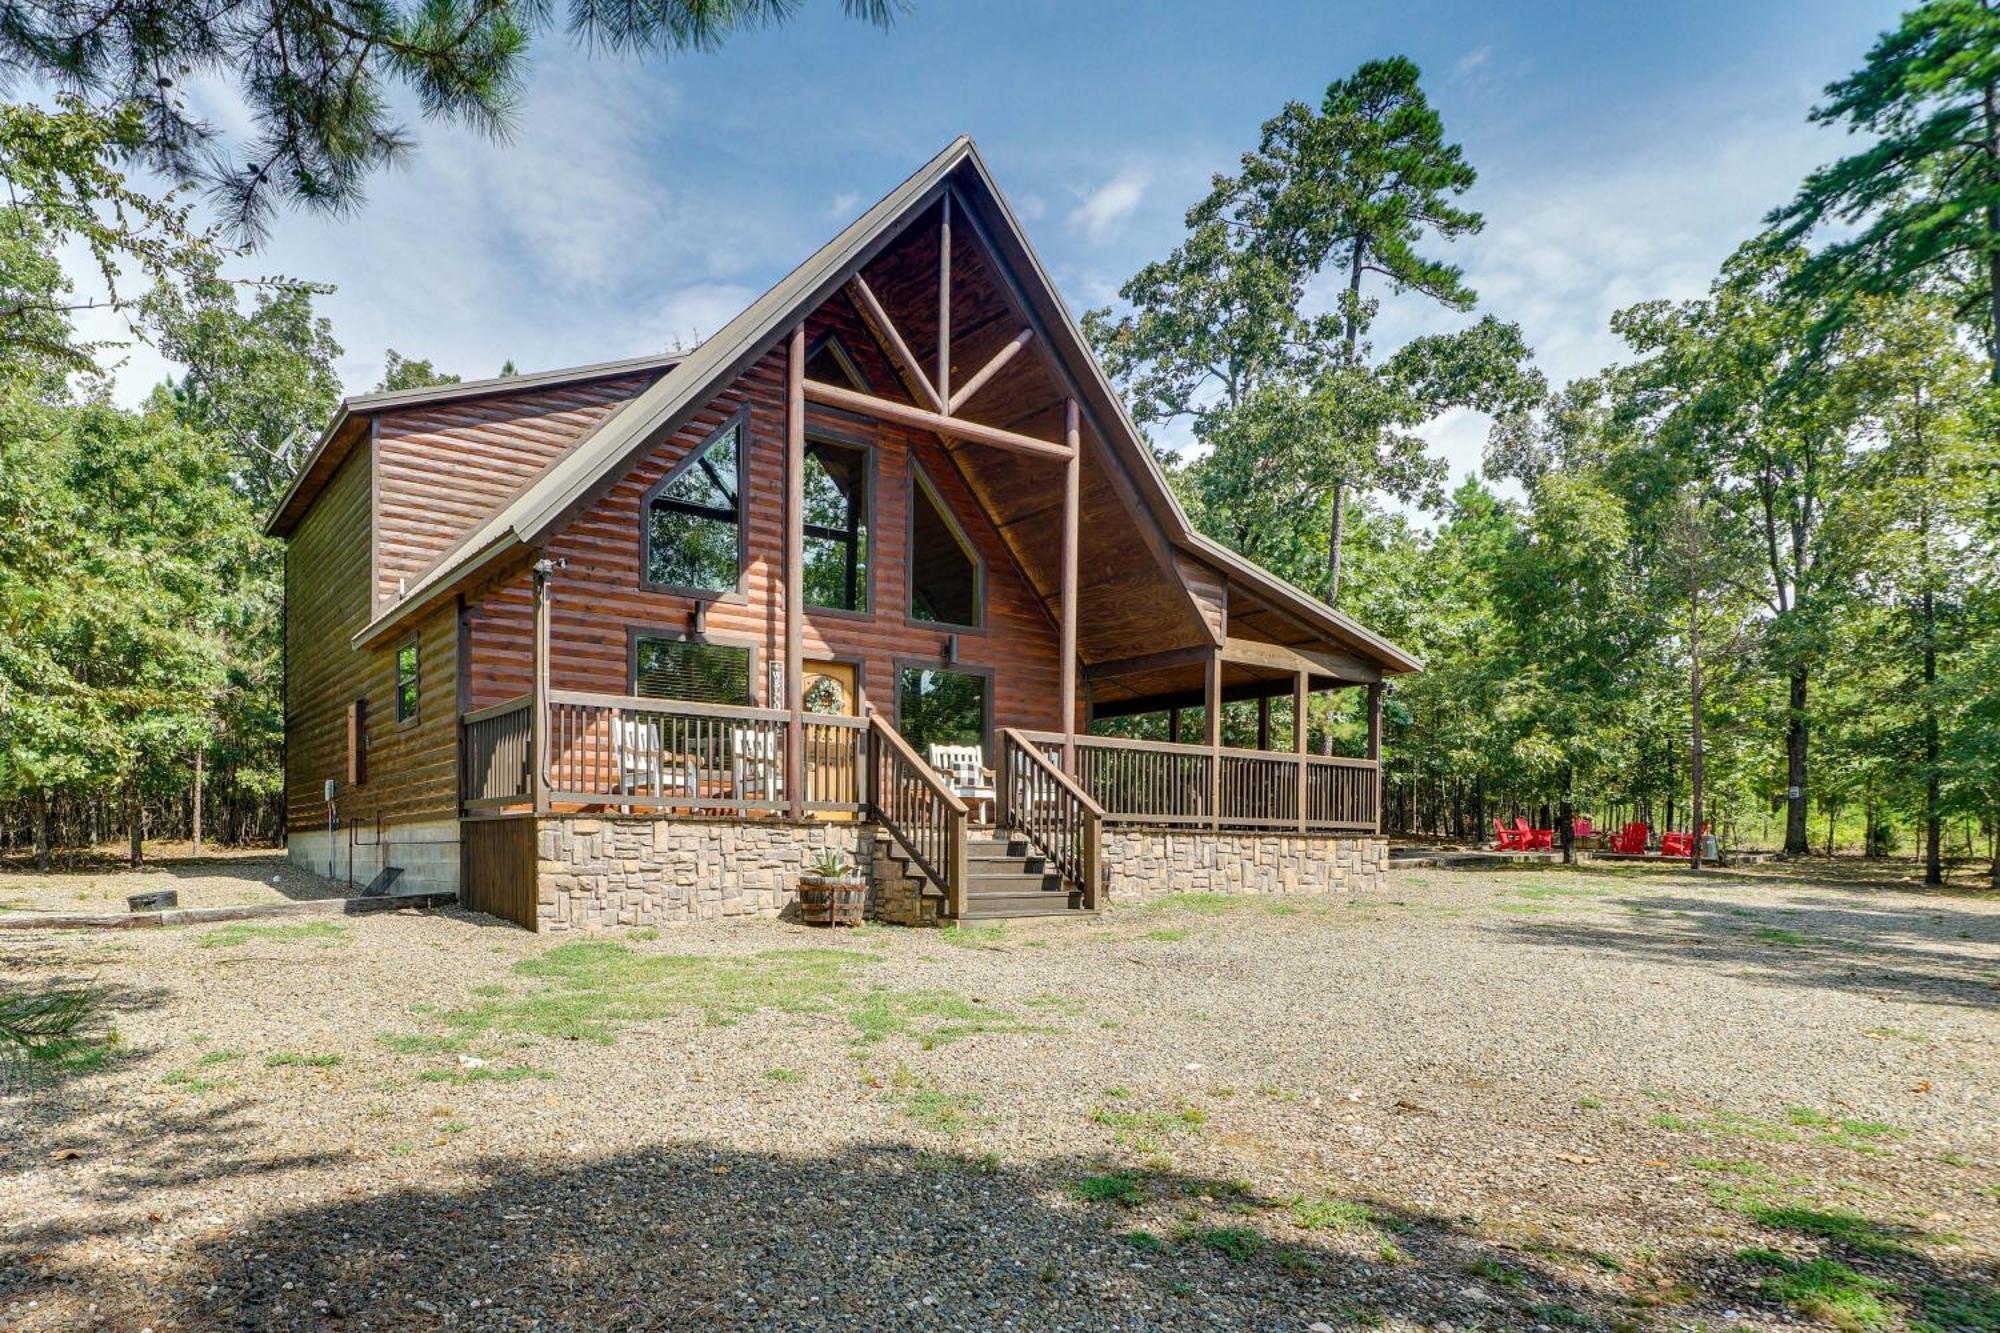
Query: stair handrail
point(919, 809)
point(1047, 807)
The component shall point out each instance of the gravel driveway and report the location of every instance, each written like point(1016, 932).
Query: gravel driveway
point(1542, 1098)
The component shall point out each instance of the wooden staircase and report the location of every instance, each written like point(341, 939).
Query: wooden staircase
point(1041, 860)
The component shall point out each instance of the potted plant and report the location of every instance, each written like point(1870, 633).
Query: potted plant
point(831, 893)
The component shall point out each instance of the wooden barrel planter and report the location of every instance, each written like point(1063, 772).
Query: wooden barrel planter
point(826, 900)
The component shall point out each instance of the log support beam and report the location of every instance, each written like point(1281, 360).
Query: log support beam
point(795, 515)
point(972, 432)
point(1072, 488)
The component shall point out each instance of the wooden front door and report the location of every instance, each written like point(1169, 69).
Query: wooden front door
point(831, 689)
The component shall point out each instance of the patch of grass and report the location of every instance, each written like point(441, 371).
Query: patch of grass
point(1896, 1034)
point(1668, 1120)
point(1166, 936)
point(1590, 1103)
point(485, 1074)
point(1057, 1003)
point(1388, 1252)
point(220, 1056)
point(935, 1017)
point(1791, 939)
point(1141, 1127)
point(1140, 1239)
point(974, 937)
point(1120, 1187)
point(1824, 1289)
point(644, 934)
point(301, 1059)
point(1318, 1214)
point(189, 1081)
point(451, 1127)
point(1118, 1093)
point(1499, 1274)
point(1204, 904)
point(783, 1075)
point(1236, 1244)
point(941, 1112)
point(328, 933)
point(1562, 1316)
point(411, 1043)
point(489, 990)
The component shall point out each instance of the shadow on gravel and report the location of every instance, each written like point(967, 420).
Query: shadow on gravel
point(877, 1236)
point(1925, 955)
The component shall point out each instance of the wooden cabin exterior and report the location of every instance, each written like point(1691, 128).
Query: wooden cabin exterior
point(630, 642)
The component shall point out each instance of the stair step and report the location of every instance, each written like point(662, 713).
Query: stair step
point(1019, 904)
point(992, 883)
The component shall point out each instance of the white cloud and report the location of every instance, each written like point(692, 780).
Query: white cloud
point(1030, 207)
point(1104, 209)
point(843, 206)
point(1472, 60)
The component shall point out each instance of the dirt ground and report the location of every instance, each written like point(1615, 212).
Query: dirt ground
point(99, 881)
point(1535, 1098)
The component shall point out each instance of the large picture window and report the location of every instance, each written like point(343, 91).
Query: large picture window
point(836, 526)
point(710, 673)
point(938, 707)
point(945, 575)
point(694, 518)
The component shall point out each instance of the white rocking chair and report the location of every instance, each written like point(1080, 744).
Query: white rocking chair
point(964, 768)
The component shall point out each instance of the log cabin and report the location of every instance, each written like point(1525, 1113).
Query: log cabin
point(635, 642)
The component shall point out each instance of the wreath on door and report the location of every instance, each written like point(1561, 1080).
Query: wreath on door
point(825, 695)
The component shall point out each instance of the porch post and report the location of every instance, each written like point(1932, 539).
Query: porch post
point(1375, 744)
point(1072, 485)
point(1263, 721)
point(944, 306)
point(1300, 683)
point(539, 694)
point(1212, 726)
point(1173, 726)
point(795, 503)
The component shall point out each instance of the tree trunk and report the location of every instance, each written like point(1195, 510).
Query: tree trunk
point(196, 839)
point(1832, 813)
point(1694, 696)
point(1795, 766)
point(1333, 543)
point(40, 799)
point(138, 851)
point(1567, 817)
point(1933, 824)
point(1992, 110)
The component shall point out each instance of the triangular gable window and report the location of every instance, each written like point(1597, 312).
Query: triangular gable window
point(694, 517)
point(947, 577)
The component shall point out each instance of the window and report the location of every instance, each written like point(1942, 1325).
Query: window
point(694, 518)
point(406, 682)
point(836, 526)
point(945, 575)
point(936, 707)
point(710, 673)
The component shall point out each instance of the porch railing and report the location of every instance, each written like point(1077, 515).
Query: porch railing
point(495, 753)
point(1193, 786)
point(1055, 815)
point(919, 810)
point(668, 755)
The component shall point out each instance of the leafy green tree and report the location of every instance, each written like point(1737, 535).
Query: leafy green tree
point(1295, 410)
point(62, 189)
point(406, 372)
point(1731, 380)
point(1924, 196)
point(316, 78)
point(1929, 471)
point(261, 378)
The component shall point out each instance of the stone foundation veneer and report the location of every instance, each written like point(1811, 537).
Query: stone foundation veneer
point(594, 873)
point(1142, 864)
point(599, 872)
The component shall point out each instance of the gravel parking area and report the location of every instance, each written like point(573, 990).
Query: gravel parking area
point(100, 883)
point(1538, 1098)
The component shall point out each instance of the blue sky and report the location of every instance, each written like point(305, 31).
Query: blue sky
point(1623, 150)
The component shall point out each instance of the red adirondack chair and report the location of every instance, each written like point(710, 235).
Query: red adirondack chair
point(1534, 839)
point(1510, 841)
point(1679, 844)
point(1581, 827)
point(1630, 840)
